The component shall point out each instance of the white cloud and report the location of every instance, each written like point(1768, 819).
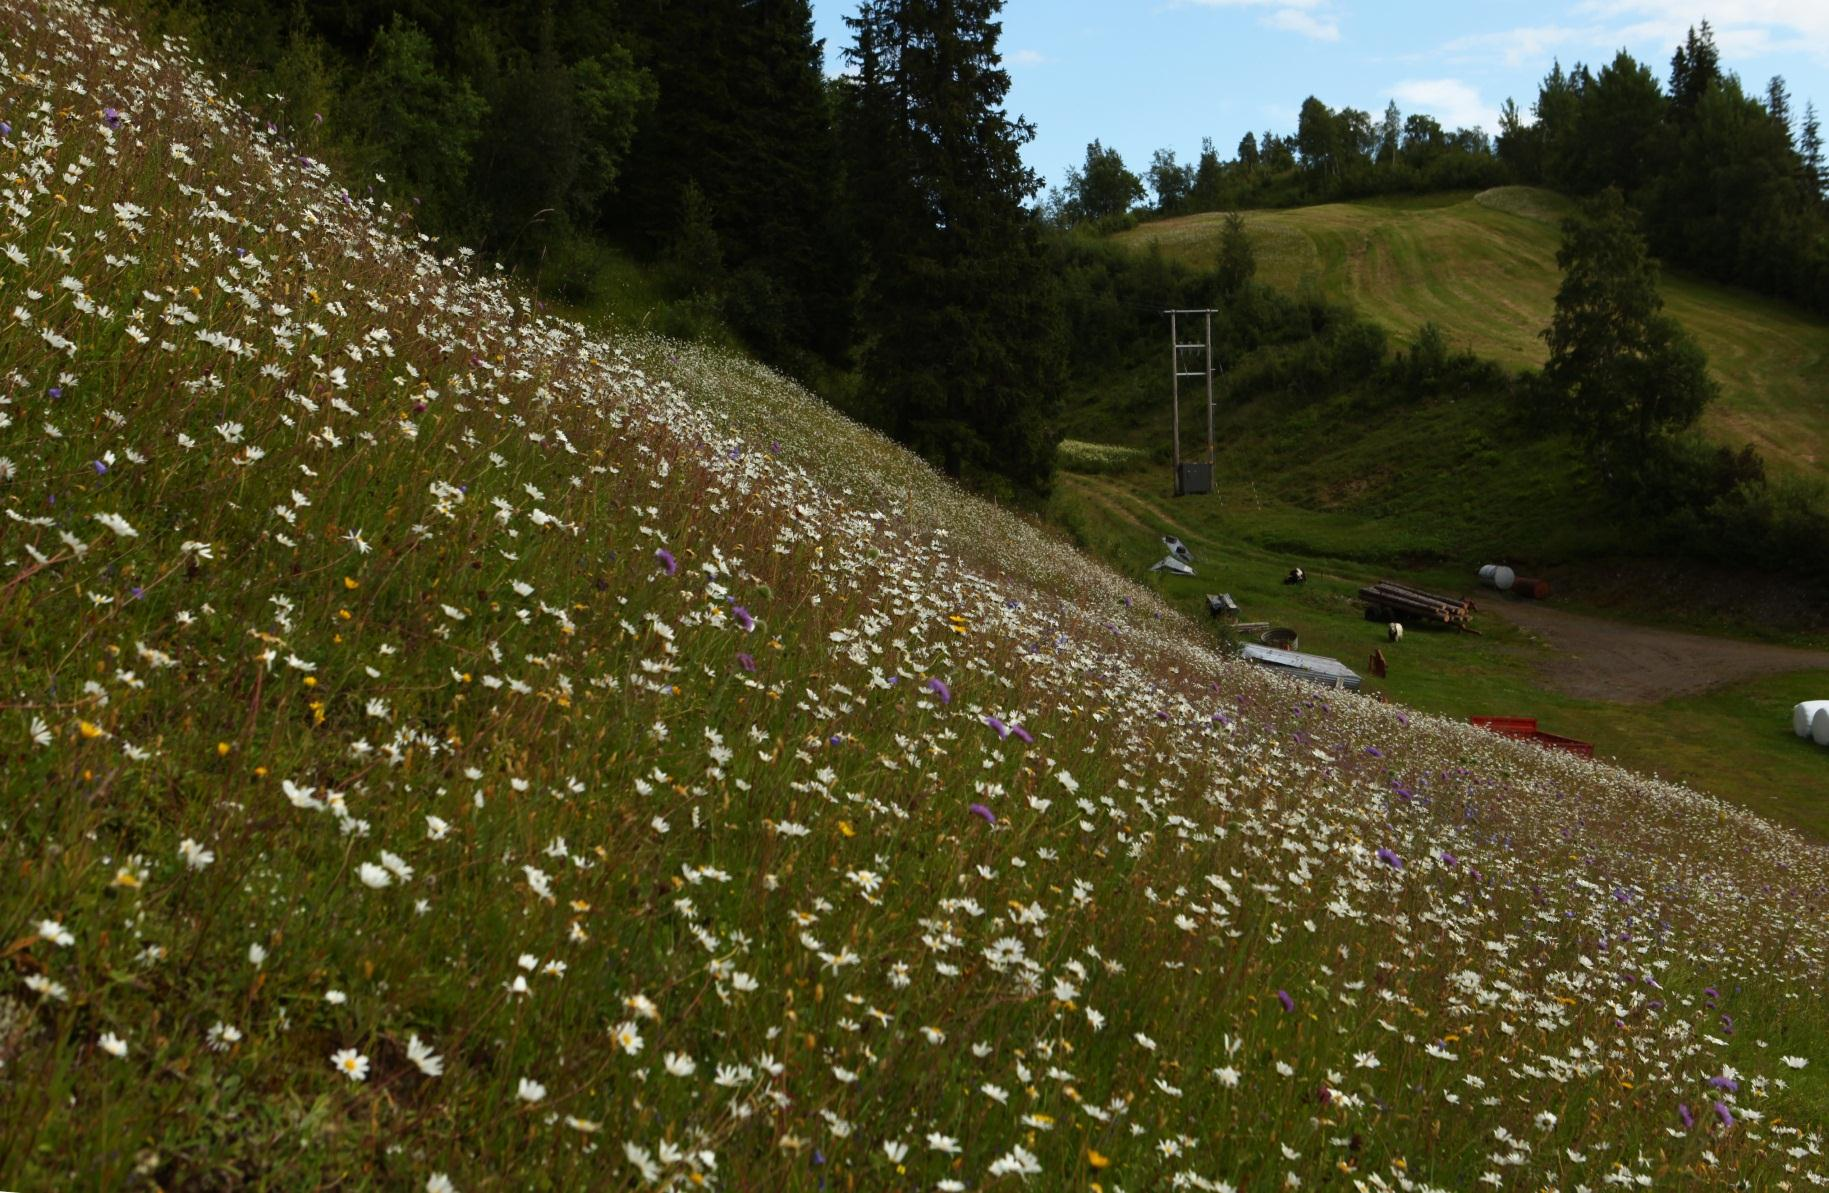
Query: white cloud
point(1452, 102)
point(1528, 46)
point(1310, 18)
point(1027, 58)
point(1296, 20)
point(1743, 29)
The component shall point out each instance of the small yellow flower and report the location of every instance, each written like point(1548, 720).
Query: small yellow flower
point(1097, 1160)
point(351, 582)
point(89, 730)
point(222, 749)
point(844, 826)
point(311, 681)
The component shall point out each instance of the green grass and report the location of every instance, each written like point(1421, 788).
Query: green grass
point(1735, 742)
point(392, 672)
point(1483, 268)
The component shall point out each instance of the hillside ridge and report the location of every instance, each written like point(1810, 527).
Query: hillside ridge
point(452, 747)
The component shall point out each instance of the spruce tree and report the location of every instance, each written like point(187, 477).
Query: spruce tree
point(1810, 148)
point(961, 339)
point(1622, 373)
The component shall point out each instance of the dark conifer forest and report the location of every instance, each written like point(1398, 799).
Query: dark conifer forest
point(877, 234)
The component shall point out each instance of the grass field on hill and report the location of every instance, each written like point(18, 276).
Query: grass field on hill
point(1483, 268)
point(448, 747)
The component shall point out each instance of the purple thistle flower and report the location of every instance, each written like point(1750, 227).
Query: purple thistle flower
point(1689, 1120)
point(1019, 731)
point(1289, 1004)
point(990, 817)
point(1711, 992)
point(111, 117)
point(743, 618)
point(668, 564)
point(1724, 1114)
point(939, 688)
point(746, 660)
point(1450, 859)
point(1002, 729)
point(1390, 859)
point(1726, 1083)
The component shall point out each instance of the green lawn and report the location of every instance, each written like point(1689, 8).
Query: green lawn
point(1734, 742)
point(1483, 268)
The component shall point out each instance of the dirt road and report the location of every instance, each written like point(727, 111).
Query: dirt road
point(1611, 660)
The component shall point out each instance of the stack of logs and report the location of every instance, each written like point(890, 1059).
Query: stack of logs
point(1388, 601)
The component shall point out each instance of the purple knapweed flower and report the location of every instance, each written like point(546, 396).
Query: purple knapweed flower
point(1019, 731)
point(1002, 729)
point(6, 130)
point(101, 469)
point(1725, 1082)
point(668, 564)
point(54, 392)
point(1282, 996)
point(837, 739)
point(1689, 1120)
point(990, 817)
point(1390, 859)
point(111, 117)
point(743, 618)
point(746, 660)
point(938, 686)
point(1724, 1114)
point(1449, 859)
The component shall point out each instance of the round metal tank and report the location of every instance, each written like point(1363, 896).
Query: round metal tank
point(1281, 638)
point(1804, 715)
point(1819, 727)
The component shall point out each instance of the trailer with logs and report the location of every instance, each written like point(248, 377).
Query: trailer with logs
point(1389, 601)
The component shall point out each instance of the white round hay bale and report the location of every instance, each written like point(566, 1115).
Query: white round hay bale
point(1819, 727)
point(1804, 715)
point(1503, 578)
point(1486, 572)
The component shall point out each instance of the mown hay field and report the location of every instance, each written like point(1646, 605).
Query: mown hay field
point(1483, 268)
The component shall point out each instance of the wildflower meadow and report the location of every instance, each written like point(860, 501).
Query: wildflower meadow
point(449, 747)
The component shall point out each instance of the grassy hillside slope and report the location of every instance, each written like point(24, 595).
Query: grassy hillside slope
point(447, 746)
point(1483, 268)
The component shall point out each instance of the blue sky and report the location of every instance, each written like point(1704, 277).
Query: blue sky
point(1144, 75)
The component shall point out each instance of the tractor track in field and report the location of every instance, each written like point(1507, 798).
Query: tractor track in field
point(1596, 659)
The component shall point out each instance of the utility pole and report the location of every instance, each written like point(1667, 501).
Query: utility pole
point(1196, 477)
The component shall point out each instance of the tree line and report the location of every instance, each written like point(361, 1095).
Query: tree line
point(1333, 154)
point(1730, 184)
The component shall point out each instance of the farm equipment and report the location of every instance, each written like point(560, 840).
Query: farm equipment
point(1525, 729)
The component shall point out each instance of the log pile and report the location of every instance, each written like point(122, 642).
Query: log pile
point(1389, 601)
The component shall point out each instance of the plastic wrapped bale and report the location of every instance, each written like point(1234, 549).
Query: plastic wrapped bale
point(1819, 727)
point(1803, 717)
